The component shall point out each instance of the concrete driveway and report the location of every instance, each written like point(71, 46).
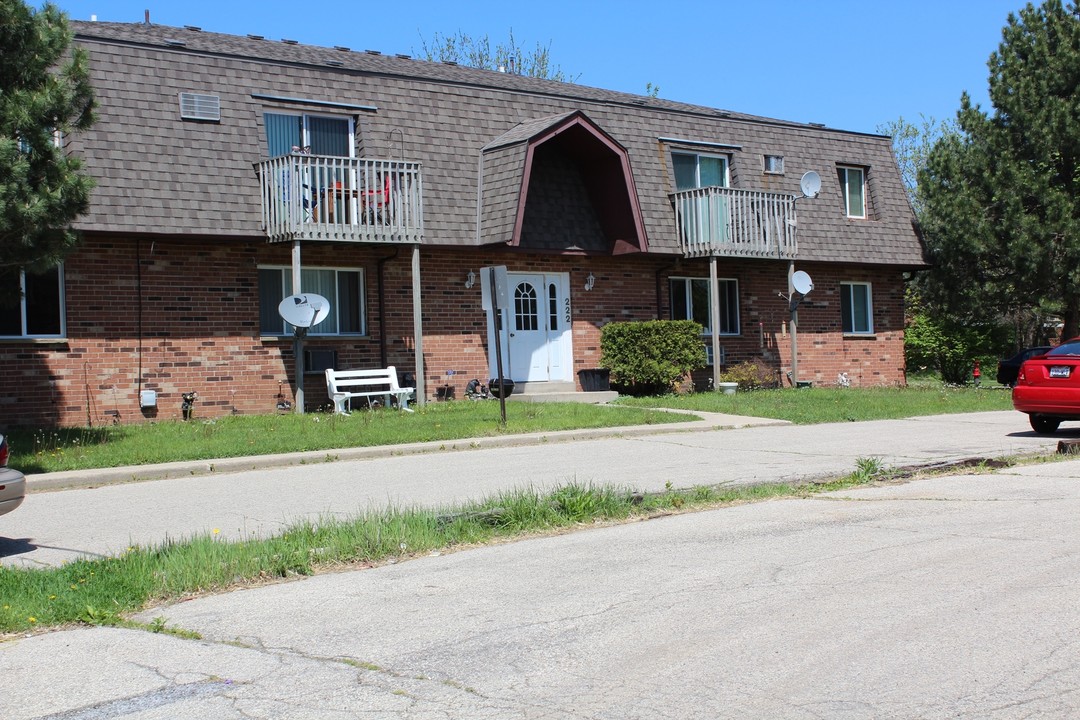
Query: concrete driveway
point(941, 598)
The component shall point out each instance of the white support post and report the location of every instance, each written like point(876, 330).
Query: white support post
point(418, 329)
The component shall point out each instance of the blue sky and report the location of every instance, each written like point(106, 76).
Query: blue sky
point(849, 64)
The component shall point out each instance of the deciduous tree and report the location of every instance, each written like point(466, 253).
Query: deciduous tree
point(477, 52)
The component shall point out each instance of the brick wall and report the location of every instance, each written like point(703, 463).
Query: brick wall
point(181, 315)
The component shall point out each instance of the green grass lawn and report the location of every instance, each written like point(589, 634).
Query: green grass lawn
point(42, 451)
point(825, 405)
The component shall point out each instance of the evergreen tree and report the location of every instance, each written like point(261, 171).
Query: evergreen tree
point(44, 95)
point(1001, 199)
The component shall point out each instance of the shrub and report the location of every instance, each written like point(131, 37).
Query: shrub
point(649, 357)
point(750, 375)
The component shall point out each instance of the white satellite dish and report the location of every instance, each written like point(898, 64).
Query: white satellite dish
point(801, 282)
point(810, 184)
point(304, 310)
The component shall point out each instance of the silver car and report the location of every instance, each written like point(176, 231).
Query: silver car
point(12, 482)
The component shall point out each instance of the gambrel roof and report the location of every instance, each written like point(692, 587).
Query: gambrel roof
point(160, 174)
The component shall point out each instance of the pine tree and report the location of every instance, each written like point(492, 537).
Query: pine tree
point(1001, 213)
point(44, 96)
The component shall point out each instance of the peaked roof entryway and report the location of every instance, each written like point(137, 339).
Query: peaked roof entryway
point(559, 184)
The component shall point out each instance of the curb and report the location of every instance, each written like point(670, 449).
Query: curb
point(67, 480)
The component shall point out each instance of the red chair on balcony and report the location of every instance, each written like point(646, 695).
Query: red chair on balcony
point(377, 204)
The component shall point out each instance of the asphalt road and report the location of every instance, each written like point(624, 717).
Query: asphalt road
point(54, 527)
point(939, 598)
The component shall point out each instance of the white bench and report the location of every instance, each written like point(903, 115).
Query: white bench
point(343, 385)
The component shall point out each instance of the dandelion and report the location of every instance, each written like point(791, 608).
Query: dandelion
point(52, 597)
point(32, 619)
point(216, 531)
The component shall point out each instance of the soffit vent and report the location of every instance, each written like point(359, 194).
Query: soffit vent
point(196, 106)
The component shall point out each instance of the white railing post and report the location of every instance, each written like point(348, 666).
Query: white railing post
point(317, 197)
point(734, 222)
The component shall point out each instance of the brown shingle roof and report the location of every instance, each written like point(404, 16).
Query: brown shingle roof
point(159, 174)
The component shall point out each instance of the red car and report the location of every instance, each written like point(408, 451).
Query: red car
point(1048, 387)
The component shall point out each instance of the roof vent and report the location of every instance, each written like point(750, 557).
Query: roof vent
point(290, 42)
point(256, 37)
point(403, 56)
point(335, 63)
point(342, 48)
point(174, 42)
point(449, 62)
point(196, 106)
point(373, 52)
point(193, 28)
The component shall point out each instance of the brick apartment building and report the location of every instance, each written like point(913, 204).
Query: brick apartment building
point(224, 164)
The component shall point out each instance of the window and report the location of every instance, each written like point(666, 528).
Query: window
point(526, 312)
point(314, 133)
point(856, 308)
point(344, 288)
point(39, 311)
point(853, 186)
point(690, 301)
point(774, 164)
point(698, 171)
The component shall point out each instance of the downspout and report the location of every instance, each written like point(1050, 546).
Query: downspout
point(659, 287)
point(139, 311)
point(380, 279)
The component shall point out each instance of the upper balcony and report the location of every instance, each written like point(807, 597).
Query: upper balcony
point(317, 197)
point(727, 222)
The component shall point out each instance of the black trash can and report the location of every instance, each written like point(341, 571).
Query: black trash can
point(493, 387)
point(595, 380)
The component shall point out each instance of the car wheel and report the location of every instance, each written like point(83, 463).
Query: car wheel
point(1043, 425)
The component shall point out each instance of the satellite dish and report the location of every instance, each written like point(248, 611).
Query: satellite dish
point(811, 185)
point(801, 282)
point(304, 310)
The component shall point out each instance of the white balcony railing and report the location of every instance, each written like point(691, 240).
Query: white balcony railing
point(727, 222)
point(316, 197)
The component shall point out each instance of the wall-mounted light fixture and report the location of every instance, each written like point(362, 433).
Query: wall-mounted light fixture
point(470, 280)
point(590, 282)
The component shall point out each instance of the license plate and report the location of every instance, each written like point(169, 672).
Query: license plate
point(1060, 371)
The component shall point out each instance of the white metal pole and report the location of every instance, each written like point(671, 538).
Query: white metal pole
point(715, 322)
point(298, 336)
point(418, 328)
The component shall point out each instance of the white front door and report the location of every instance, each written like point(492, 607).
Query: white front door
point(538, 327)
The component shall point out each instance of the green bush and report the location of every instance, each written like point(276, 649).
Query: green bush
point(649, 357)
point(952, 348)
point(750, 375)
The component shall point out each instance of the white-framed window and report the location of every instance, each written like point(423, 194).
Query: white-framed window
point(857, 308)
point(853, 187)
point(343, 287)
point(690, 300)
point(695, 170)
point(773, 164)
point(314, 134)
point(39, 312)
